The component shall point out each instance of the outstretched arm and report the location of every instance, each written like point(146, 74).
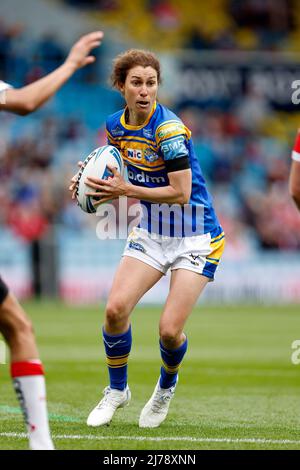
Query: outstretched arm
point(29, 98)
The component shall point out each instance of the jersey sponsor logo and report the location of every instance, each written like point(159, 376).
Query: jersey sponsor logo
point(174, 148)
point(142, 177)
point(135, 153)
point(170, 129)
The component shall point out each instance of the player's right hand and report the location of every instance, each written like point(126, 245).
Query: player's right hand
point(79, 54)
point(74, 180)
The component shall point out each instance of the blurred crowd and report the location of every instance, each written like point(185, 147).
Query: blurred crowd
point(37, 159)
point(217, 24)
point(246, 170)
point(24, 59)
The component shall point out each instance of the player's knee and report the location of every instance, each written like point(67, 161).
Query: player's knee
point(170, 336)
point(14, 322)
point(116, 313)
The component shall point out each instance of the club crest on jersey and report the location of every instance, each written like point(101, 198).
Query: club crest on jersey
point(135, 153)
point(150, 155)
point(117, 131)
point(148, 133)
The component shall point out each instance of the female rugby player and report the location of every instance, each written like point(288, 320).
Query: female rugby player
point(178, 231)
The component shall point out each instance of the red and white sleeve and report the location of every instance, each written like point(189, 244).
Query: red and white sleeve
point(296, 149)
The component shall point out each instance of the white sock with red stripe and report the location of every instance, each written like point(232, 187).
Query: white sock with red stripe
point(29, 383)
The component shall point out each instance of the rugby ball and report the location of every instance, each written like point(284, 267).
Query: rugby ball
point(95, 165)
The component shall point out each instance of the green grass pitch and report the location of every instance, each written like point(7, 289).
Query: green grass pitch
point(238, 388)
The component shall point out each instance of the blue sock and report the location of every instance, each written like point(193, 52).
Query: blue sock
point(117, 348)
point(171, 361)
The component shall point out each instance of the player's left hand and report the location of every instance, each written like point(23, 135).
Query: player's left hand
point(108, 189)
point(79, 55)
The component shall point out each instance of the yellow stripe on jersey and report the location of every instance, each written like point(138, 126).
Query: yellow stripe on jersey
point(111, 138)
point(137, 138)
point(143, 167)
point(170, 129)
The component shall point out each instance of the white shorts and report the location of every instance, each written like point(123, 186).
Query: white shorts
point(200, 253)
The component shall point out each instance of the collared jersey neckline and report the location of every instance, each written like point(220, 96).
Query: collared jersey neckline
point(136, 128)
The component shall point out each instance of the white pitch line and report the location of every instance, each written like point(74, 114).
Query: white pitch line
point(229, 440)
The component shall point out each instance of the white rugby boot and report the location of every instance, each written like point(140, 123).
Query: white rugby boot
point(106, 408)
point(156, 409)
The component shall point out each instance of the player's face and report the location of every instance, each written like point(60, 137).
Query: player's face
point(140, 91)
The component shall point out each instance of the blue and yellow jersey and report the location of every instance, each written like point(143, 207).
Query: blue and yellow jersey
point(147, 150)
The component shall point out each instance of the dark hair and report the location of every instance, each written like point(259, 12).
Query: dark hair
point(129, 59)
